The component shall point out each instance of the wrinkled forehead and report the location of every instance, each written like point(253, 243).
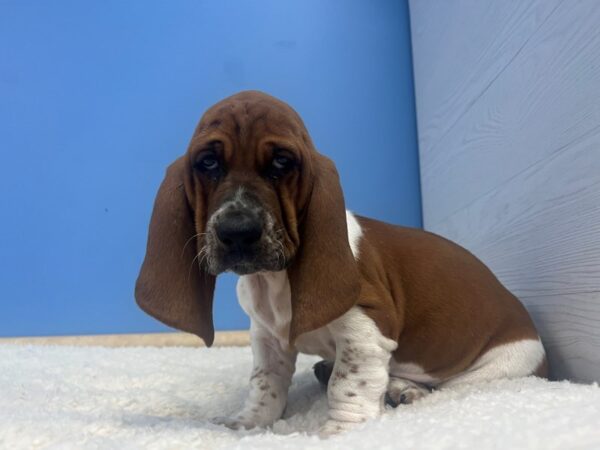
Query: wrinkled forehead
point(247, 118)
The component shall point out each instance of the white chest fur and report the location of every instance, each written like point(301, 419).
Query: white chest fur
point(266, 298)
point(362, 371)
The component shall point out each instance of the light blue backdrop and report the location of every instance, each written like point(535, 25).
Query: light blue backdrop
point(96, 98)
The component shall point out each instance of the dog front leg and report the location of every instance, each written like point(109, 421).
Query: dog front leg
point(360, 375)
point(269, 383)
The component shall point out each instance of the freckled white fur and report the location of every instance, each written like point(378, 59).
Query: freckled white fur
point(265, 297)
point(360, 375)
point(362, 368)
point(269, 383)
point(361, 353)
point(236, 201)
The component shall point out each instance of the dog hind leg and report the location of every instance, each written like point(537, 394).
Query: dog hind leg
point(513, 360)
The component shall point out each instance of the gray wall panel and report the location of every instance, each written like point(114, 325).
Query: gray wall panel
point(508, 108)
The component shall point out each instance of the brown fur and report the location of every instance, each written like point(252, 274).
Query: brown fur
point(448, 307)
point(175, 287)
point(439, 302)
point(168, 288)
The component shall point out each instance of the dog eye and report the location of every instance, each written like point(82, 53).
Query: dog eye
point(281, 162)
point(280, 165)
point(209, 164)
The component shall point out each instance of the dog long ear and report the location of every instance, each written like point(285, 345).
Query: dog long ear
point(324, 277)
point(172, 287)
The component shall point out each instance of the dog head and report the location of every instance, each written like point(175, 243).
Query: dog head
point(251, 194)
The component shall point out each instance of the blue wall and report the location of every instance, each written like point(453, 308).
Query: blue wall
point(96, 98)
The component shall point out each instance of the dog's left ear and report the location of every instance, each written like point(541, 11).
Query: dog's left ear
point(172, 286)
point(324, 278)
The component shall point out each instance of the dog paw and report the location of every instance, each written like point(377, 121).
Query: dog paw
point(333, 427)
point(238, 422)
point(403, 392)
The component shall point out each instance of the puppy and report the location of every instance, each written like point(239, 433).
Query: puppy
point(393, 311)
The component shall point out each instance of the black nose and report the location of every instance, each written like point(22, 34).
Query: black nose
point(239, 230)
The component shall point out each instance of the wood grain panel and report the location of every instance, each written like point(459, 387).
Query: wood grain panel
point(540, 234)
point(534, 107)
point(450, 72)
point(568, 324)
point(509, 134)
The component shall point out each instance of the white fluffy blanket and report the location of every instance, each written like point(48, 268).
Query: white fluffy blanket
point(147, 398)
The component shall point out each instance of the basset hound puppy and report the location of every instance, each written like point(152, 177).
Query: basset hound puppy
point(393, 311)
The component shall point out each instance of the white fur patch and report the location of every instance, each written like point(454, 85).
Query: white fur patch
point(410, 371)
point(360, 351)
point(360, 375)
point(354, 232)
point(512, 360)
point(266, 298)
point(362, 355)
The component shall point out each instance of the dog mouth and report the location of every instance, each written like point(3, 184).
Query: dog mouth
point(243, 262)
point(246, 262)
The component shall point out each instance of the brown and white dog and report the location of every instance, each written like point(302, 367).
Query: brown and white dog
point(392, 310)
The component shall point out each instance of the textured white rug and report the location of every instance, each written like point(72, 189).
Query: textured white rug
point(146, 398)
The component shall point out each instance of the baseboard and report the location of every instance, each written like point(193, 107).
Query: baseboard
point(222, 339)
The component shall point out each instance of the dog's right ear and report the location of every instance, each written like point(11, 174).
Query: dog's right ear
point(172, 286)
